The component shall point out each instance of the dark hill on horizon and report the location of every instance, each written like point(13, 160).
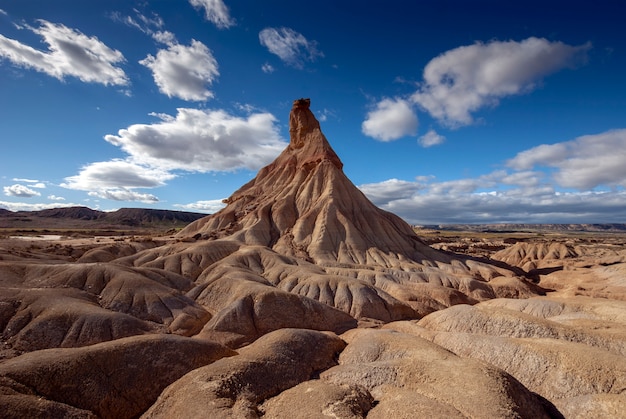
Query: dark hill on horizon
point(86, 218)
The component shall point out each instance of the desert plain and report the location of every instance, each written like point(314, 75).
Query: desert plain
point(301, 299)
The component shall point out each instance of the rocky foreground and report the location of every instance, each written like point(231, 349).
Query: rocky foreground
point(303, 299)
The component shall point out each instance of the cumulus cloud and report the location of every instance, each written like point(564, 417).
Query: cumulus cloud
point(431, 138)
point(290, 46)
point(390, 120)
point(55, 198)
point(184, 71)
point(524, 192)
point(583, 163)
point(164, 37)
point(70, 53)
point(203, 141)
point(509, 208)
point(465, 79)
point(122, 194)
point(116, 174)
point(470, 201)
point(215, 11)
point(20, 191)
point(381, 193)
point(117, 180)
point(210, 206)
point(194, 141)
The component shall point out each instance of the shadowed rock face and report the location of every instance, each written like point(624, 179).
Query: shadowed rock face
point(253, 312)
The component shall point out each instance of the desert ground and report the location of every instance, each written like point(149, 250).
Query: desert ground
point(302, 299)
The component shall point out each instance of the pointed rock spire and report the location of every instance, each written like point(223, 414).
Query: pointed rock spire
point(301, 122)
point(307, 142)
point(302, 204)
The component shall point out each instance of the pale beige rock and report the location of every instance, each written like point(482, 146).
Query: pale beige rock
point(400, 403)
point(66, 305)
point(589, 278)
point(253, 310)
point(234, 387)
point(384, 361)
point(570, 351)
point(539, 253)
point(33, 319)
point(495, 321)
point(595, 406)
point(318, 399)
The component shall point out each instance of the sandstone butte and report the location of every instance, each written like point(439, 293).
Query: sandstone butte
point(301, 299)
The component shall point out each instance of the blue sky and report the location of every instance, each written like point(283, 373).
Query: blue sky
point(441, 111)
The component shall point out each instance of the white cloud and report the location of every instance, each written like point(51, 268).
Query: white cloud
point(195, 141)
point(392, 119)
point(116, 174)
point(145, 24)
point(33, 183)
point(20, 191)
point(184, 71)
point(70, 53)
point(149, 25)
point(431, 138)
point(465, 201)
point(215, 11)
point(122, 194)
point(323, 114)
point(524, 178)
point(15, 179)
point(2, 12)
point(523, 193)
point(55, 198)
point(465, 79)
point(164, 37)
point(290, 46)
point(382, 192)
point(22, 206)
point(210, 206)
point(583, 163)
point(203, 141)
point(542, 155)
point(267, 68)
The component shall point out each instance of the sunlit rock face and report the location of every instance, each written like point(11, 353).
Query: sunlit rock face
point(302, 296)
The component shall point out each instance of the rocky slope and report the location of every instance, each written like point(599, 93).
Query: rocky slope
point(254, 312)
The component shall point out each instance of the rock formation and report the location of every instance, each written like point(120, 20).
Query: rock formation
point(301, 227)
point(302, 299)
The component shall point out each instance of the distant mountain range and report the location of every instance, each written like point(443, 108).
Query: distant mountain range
point(502, 228)
point(87, 218)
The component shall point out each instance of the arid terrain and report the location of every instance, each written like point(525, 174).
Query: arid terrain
point(302, 299)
